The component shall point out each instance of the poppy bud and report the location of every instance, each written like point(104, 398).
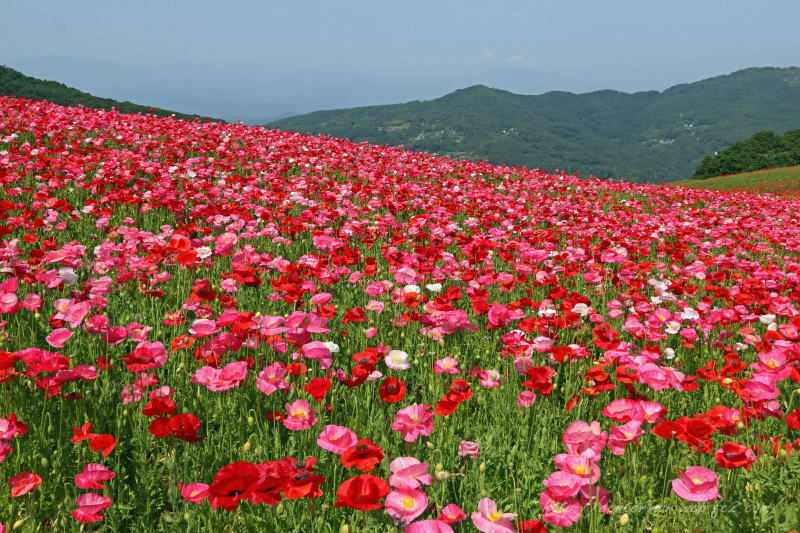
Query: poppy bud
point(19, 523)
point(624, 519)
point(246, 447)
point(279, 509)
point(430, 445)
point(250, 420)
point(259, 450)
point(45, 462)
point(344, 528)
point(482, 468)
point(187, 516)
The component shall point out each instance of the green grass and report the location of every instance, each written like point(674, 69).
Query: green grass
point(777, 180)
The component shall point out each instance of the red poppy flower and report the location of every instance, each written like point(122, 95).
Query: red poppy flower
point(734, 455)
point(318, 388)
point(362, 492)
point(364, 455)
point(668, 429)
point(159, 406)
point(103, 443)
point(392, 390)
point(23, 483)
point(793, 419)
point(233, 483)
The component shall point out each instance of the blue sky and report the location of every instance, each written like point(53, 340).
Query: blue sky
point(314, 54)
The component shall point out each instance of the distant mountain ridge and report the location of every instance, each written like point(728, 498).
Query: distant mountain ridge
point(15, 83)
point(643, 136)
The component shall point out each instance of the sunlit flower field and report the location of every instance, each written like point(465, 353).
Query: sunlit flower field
point(208, 327)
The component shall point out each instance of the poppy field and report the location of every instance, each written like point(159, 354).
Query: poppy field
point(210, 327)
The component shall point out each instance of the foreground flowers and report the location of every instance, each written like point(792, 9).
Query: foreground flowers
point(188, 310)
point(696, 484)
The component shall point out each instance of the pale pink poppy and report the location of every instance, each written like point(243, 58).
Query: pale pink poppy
point(409, 473)
point(404, 504)
point(696, 484)
point(336, 439)
point(447, 365)
point(489, 519)
point(299, 415)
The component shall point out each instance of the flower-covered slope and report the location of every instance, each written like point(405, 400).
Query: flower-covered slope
point(310, 333)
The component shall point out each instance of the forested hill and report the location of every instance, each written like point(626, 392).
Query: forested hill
point(14, 83)
point(644, 136)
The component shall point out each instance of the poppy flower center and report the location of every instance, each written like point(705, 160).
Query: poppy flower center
point(408, 502)
point(580, 470)
point(494, 516)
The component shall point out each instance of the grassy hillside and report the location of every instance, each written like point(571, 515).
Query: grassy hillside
point(778, 180)
point(645, 136)
point(14, 83)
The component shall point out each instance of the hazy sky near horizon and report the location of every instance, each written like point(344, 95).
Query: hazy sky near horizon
point(570, 45)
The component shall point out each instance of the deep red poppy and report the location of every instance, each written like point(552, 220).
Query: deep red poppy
point(363, 492)
point(318, 388)
point(364, 455)
point(392, 390)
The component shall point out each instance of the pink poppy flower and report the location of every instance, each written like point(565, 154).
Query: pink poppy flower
point(409, 473)
point(467, 448)
point(413, 421)
point(193, 492)
point(203, 328)
point(623, 435)
point(89, 507)
point(320, 352)
point(71, 311)
point(447, 365)
point(299, 415)
point(221, 379)
point(404, 505)
point(526, 398)
point(336, 439)
point(92, 475)
point(272, 378)
point(591, 494)
point(452, 513)
point(696, 484)
point(427, 526)
point(559, 512)
point(580, 437)
point(58, 337)
point(582, 466)
point(561, 485)
point(489, 520)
